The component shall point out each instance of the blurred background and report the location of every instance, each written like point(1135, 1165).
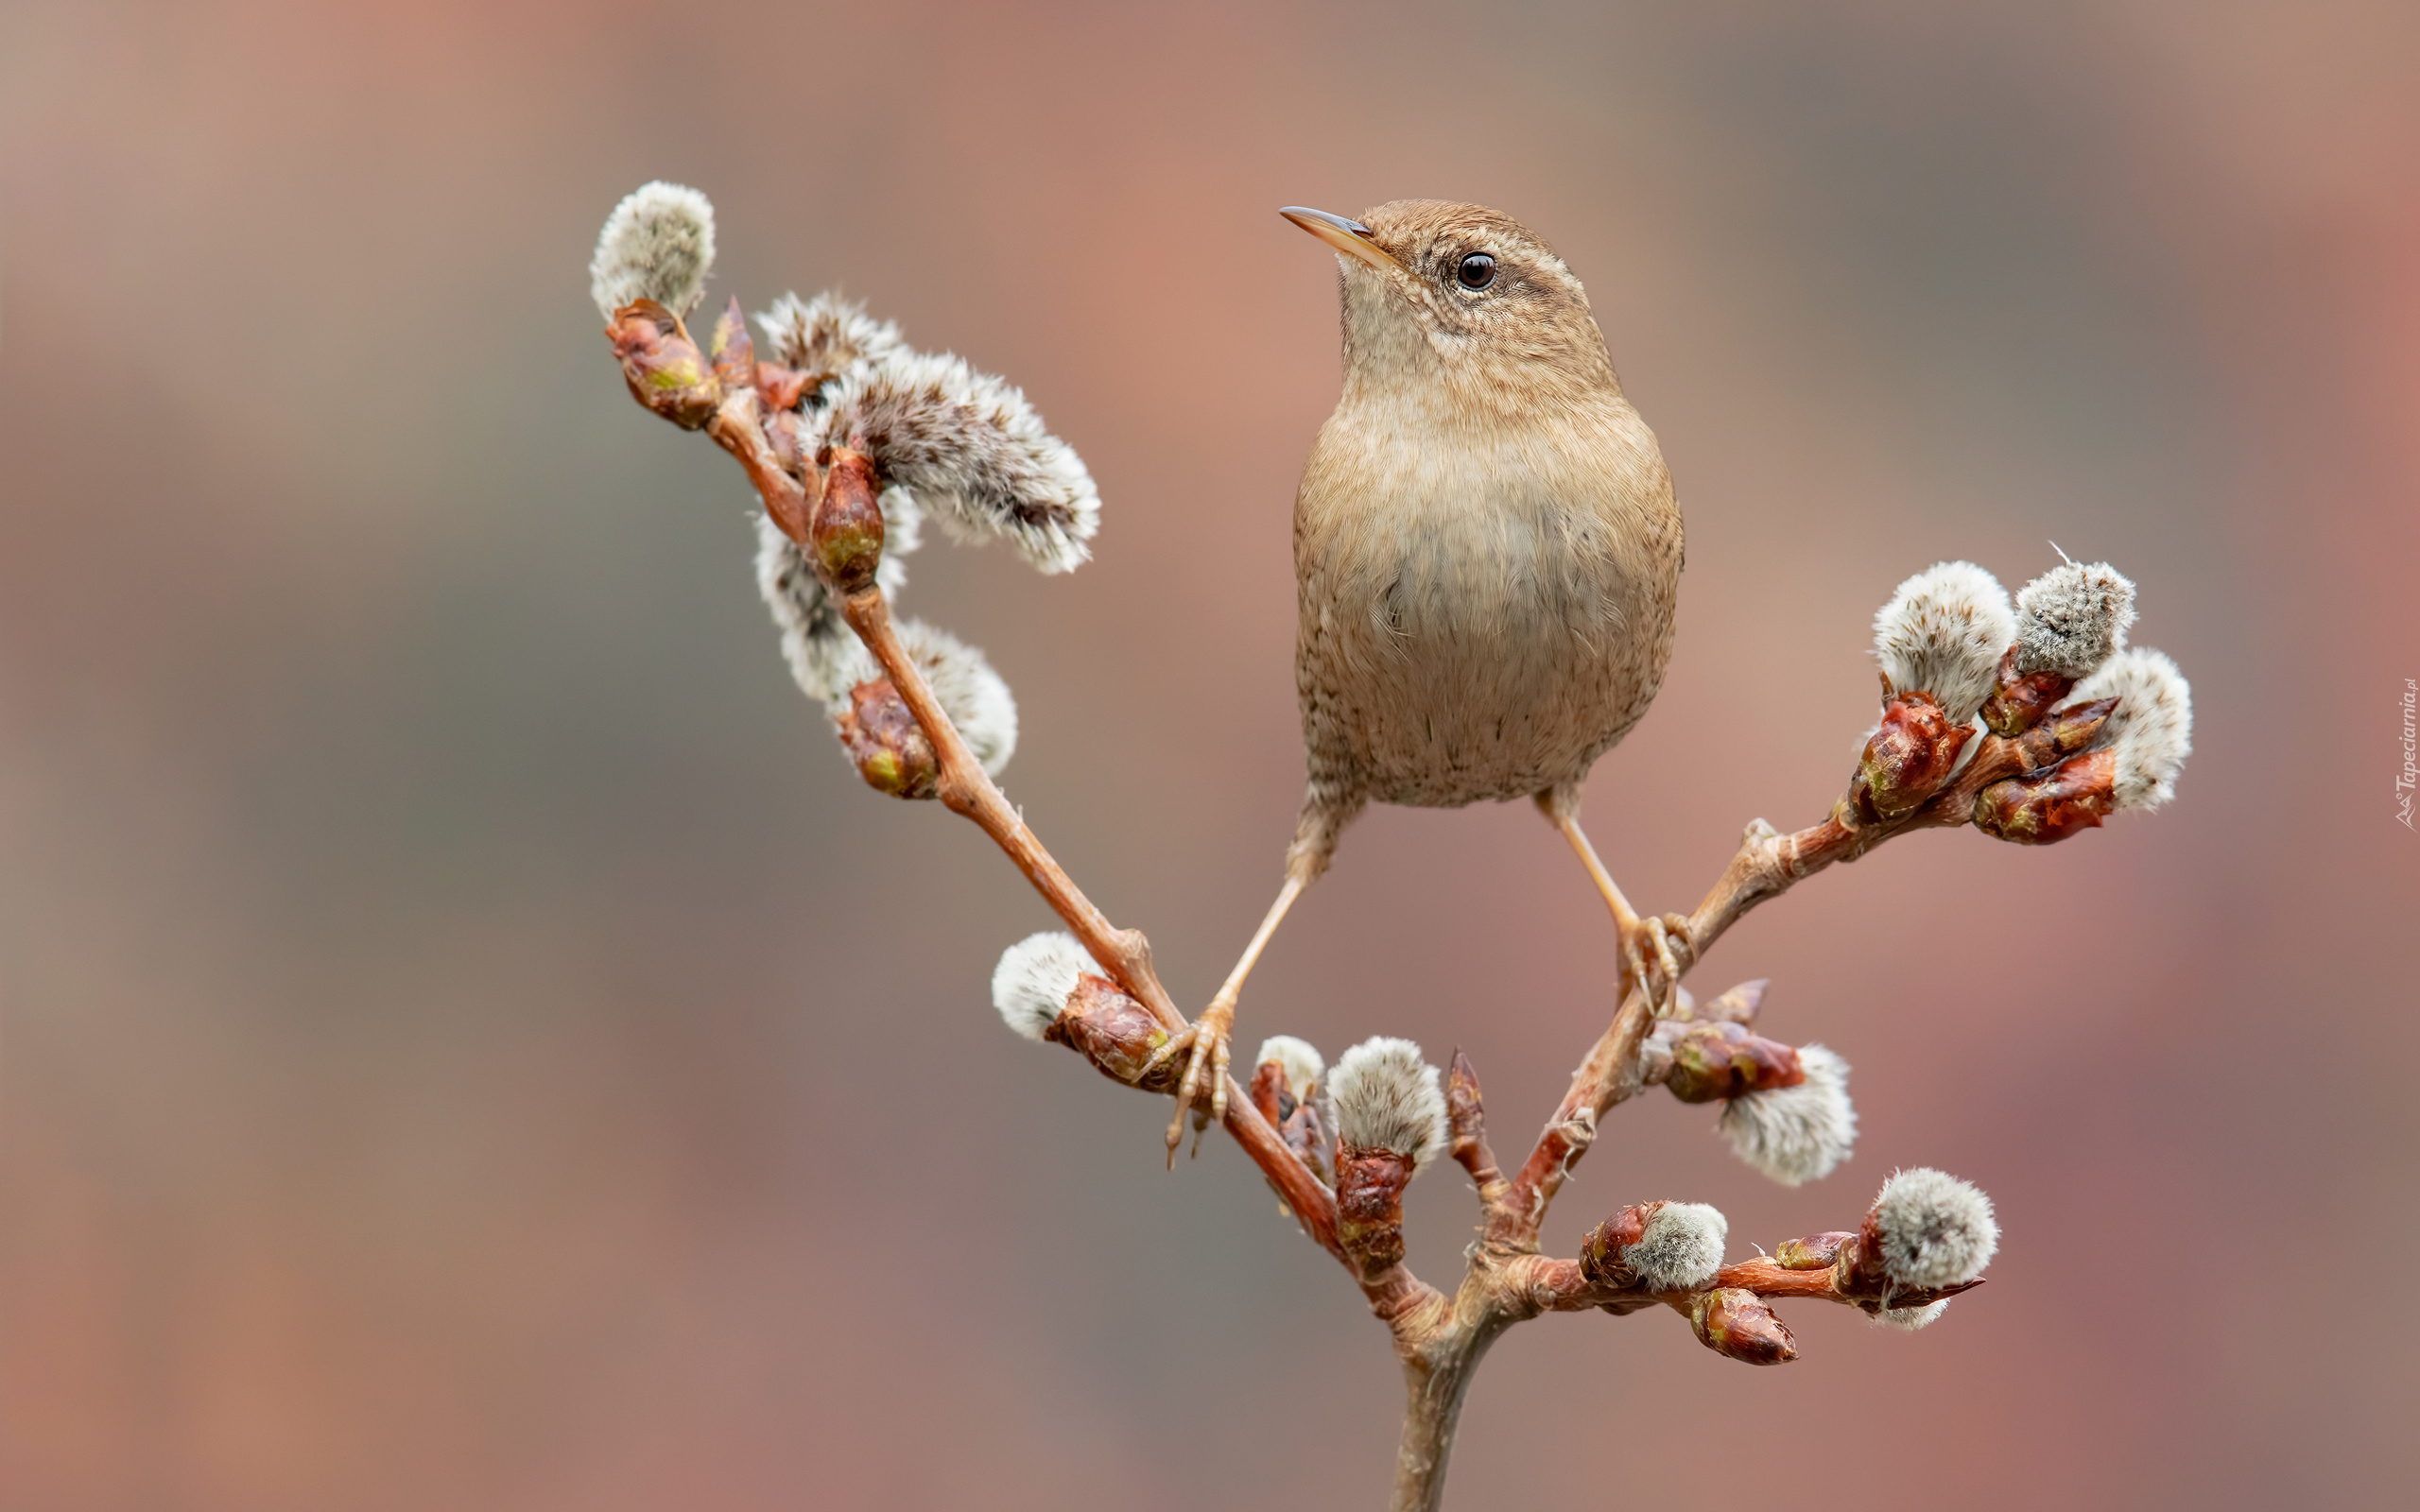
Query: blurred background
point(467, 1040)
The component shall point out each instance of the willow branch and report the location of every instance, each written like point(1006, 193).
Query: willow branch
point(1925, 1226)
point(966, 789)
point(1768, 1277)
point(1544, 1284)
point(1767, 864)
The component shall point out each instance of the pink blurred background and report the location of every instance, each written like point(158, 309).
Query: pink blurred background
point(467, 1042)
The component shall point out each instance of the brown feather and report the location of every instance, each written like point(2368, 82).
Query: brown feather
point(1486, 540)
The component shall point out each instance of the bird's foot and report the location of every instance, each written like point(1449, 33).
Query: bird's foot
point(1656, 952)
point(1202, 1090)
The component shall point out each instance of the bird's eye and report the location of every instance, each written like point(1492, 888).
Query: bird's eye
point(1476, 271)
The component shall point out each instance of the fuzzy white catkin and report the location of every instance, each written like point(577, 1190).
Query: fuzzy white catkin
point(1031, 985)
point(976, 697)
point(825, 656)
point(2071, 618)
point(1387, 1097)
point(827, 337)
point(1943, 633)
point(971, 450)
point(1909, 1319)
point(1680, 1247)
point(1299, 1059)
point(2150, 730)
point(1796, 1134)
point(1936, 1229)
point(827, 660)
point(903, 526)
point(657, 244)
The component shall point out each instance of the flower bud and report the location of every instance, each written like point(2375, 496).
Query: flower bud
point(1115, 1032)
point(888, 746)
point(734, 354)
point(1298, 1065)
point(1797, 1133)
point(1931, 1229)
point(1286, 1088)
point(666, 370)
point(2065, 733)
point(1679, 1248)
point(2019, 699)
point(1390, 1121)
point(1942, 632)
point(1814, 1252)
point(1927, 1237)
point(846, 535)
point(1369, 1204)
point(1737, 1325)
point(2072, 618)
point(2151, 727)
point(1907, 757)
point(2045, 807)
point(1466, 1127)
point(1664, 1246)
point(1718, 1061)
point(657, 245)
point(1034, 979)
point(1387, 1097)
point(1857, 1266)
point(1601, 1253)
point(1465, 1111)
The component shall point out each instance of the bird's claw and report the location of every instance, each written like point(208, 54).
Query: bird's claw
point(1655, 956)
point(1202, 1089)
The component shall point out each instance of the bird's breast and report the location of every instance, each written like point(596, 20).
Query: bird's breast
point(1483, 609)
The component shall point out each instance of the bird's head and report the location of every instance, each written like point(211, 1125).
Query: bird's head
point(1460, 304)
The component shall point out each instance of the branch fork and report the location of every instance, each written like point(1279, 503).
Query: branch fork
point(2031, 723)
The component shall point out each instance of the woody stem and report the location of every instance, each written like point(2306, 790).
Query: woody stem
point(1767, 864)
point(966, 789)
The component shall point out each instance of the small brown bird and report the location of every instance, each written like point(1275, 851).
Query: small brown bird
point(1487, 552)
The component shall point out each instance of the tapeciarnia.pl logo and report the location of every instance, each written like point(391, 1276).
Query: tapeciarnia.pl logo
point(2411, 774)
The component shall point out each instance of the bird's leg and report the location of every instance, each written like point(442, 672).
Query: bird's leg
point(1644, 940)
point(1204, 1042)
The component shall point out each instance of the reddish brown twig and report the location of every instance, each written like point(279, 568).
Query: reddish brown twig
point(1767, 864)
point(1769, 1277)
point(1440, 1340)
point(966, 789)
point(1466, 1126)
point(1908, 781)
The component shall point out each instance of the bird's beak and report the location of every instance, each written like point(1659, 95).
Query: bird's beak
point(1347, 237)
